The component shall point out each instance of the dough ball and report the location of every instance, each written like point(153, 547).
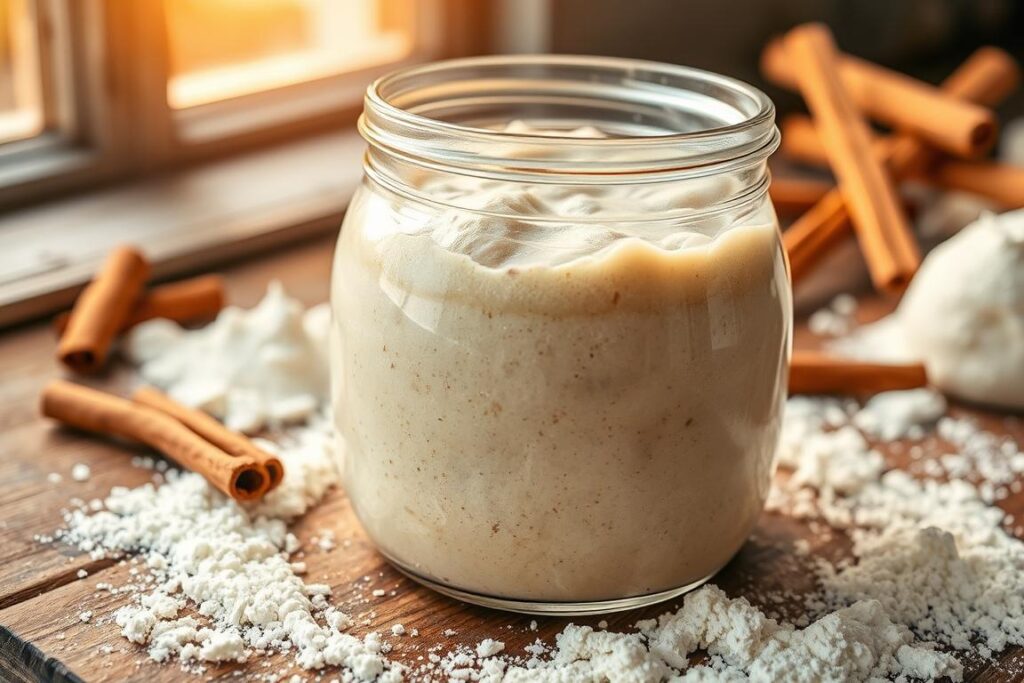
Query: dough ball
point(963, 314)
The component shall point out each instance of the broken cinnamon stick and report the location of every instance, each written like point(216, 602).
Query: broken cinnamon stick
point(889, 247)
point(987, 76)
point(240, 477)
point(212, 430)
point(198, 298)
point(796, 195)
point(102, 309)
point(951, 124)
point(811, 372)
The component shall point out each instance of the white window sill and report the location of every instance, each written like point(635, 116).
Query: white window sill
point(183, 221)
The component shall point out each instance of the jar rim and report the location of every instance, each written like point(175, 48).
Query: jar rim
point(732, 124)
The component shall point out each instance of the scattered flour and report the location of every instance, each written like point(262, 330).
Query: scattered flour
point(229, 563)
point(931, 552)
point(900, 414)
point(932, 565)
point(836, 319)
point(215, 368)
point(80, 472)
point(489, 647)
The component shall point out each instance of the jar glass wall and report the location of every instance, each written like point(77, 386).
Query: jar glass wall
point(561, 328)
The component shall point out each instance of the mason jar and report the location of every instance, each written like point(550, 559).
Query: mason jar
point(561, 328)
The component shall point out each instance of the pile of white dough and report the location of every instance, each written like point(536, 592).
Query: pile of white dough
point(962, 316)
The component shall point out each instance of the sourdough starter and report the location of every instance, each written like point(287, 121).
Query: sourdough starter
point(570, 412)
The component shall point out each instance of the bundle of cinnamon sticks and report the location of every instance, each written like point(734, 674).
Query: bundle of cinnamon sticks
point(112, 303)
point(193, 439)
point(938, 134)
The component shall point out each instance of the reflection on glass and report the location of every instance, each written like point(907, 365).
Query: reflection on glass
point(21, 111)
point(225, 48)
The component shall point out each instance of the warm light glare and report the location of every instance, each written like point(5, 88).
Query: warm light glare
point(226, 48)
point(21, 111)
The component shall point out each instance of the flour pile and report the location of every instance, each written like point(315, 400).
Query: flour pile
point(228, 563)
point(251, 368)
point(932, 552)
point(855, 643)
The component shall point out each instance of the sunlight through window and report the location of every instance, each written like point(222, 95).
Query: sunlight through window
point(21, 111)
point(227, 48)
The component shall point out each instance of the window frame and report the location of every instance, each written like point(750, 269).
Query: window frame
point(80, 109)
point(110, 119)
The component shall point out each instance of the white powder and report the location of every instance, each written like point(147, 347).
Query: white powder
point(854, 643)
point(897, 414)
point(54, 478)
point(265, 365)
point(932, 565)
point(227, 562)
point(932, 553)
point(80, 472)
point(836, 319)
point(81, 573)
point(963, 315)
point(489, 647)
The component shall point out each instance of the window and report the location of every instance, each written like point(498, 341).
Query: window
point(95, 90)
point(227, 48)
point(170, 113)
point(21, 107)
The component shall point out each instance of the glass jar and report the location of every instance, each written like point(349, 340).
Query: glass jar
point(562, 328)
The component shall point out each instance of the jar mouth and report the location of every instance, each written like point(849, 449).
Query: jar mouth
point(660, 119)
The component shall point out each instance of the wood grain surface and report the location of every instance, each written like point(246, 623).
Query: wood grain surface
point(41, 597)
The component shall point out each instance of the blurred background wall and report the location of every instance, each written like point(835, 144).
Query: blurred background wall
point(926, 38)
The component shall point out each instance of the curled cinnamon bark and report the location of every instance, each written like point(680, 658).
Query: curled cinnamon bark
point(796, 195)
point(884, 233)
point(198, 298)
point(240, 477)
point(952, 124)
point(987, 76)
point(811, 372)
point(102, 310)
point(213, 431)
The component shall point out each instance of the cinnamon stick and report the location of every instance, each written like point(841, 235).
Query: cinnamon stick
point(796, 195)
point(102, 309)
point(951, 124)
point(198, 298)
point(209, 428)
point(240, 477)
point(802, 142)
point(1002, 183)
point(811, 372)
point(987, 76)
point(889, 247)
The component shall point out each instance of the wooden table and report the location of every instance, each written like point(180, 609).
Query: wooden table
point(42, 638)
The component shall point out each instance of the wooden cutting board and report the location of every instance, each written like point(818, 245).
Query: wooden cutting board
point(41, 596)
